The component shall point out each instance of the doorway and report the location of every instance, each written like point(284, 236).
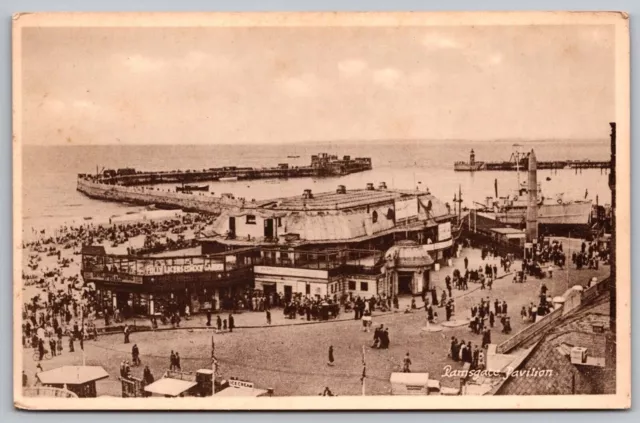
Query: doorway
point(268, 289)
point(232, 226)
point(405, 282)
point(287, 293)
point(268, 228)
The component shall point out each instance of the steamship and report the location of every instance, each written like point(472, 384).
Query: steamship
point(552, 212)
point(512, 210)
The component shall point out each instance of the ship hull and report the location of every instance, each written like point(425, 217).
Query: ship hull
point(468, 167)
point(578, 213)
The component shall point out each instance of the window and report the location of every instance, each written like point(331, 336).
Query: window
point(308, 289)
point(364, 286)
point(374, 216)
point(279, 222)
point(352, 285)
point(251, 219)
point(390, 214)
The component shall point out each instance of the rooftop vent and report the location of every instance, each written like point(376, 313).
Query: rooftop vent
point(383, 185)
point(370, 186)
point(307, 194)
point(578, 355)
point(341, 189)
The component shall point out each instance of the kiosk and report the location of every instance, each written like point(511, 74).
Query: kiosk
point(81, 380)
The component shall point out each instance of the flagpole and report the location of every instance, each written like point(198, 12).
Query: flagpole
point(82, 335)
point(214, 361)
point(364, 374)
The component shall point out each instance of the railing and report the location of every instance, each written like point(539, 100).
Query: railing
point(47, 391)
point(529, 331)
point(542, 324)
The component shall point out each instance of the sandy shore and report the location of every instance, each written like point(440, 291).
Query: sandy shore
point(57, 273)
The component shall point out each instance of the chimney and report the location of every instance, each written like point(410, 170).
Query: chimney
point(341, 189)
point(370, 186)
point(383, 185)
point(307, 194)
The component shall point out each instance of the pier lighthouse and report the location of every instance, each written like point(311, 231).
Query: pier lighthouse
point(532, 207)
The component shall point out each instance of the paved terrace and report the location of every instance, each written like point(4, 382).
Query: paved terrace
point(290, 356)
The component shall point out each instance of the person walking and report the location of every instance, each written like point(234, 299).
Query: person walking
point(331, 358)
point(268, 313)
point(406, 364)
point(178, 361)
point(135, 355)
point(219, 323)
point(231, 322)
point(172, 361)
point(126, 334)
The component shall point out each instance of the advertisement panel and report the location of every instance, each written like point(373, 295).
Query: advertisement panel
point(444, 231)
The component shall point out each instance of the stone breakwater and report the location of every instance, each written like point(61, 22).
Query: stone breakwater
point(201, 202)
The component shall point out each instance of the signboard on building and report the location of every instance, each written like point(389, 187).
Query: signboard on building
point(291, 272)
point(444, 231)
point(235, 383)
point(113, 277)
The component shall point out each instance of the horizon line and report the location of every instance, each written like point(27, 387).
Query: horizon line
point(374, 140)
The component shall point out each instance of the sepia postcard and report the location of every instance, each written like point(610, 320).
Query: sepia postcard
point(321, 211)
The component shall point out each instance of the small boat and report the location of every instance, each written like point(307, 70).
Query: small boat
point(189, 188)
point(293, 157)
point(229, 179)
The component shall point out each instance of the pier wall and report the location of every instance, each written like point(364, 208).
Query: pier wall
point(541, 325)
point(202, 202)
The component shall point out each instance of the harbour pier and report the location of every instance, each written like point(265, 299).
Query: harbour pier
point(321, 165)
point(522, 164)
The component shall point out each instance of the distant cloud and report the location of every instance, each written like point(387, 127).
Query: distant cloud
point(495, 59)
point(195, 60)
point(82, 104)
point(351, 68)
point(301, 86)
point(53, 105)
point(387, 77)
point(139, 63)
point(440, 42)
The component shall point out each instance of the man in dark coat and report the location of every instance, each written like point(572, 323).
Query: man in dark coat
point(454, 348)
point(231, 322)
point(208, 317)
point(172, 361)
point(476, 356)
point(466, 263)
point(219, 323)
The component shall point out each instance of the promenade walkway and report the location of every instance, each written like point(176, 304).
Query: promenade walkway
point(251, 319)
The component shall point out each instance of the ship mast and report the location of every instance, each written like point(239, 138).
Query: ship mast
point(516, 155)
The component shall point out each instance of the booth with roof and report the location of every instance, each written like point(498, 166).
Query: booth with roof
point(413, 384)
point(81, 380)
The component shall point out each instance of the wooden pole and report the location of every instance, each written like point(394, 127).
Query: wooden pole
point(364, 375)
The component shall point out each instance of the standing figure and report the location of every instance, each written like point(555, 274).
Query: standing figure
point(406, 363)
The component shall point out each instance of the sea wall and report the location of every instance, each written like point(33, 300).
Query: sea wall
point(585, 297)
point(202, 202)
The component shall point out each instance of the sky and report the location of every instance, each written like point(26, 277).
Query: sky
point(274, 85)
